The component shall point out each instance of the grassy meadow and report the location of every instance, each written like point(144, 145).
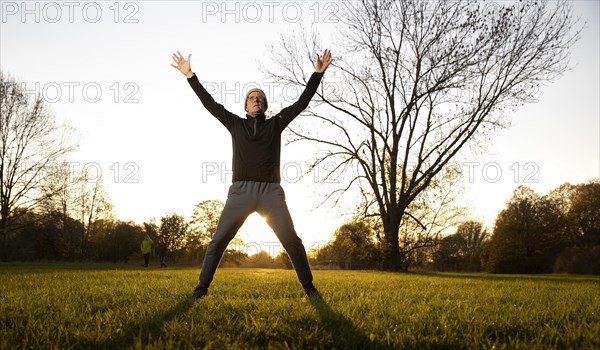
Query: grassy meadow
point(91, 306)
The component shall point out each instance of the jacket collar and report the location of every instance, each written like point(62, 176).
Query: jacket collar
point(260, 117)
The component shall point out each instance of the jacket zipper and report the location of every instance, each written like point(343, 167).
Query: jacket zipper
point(254, 127)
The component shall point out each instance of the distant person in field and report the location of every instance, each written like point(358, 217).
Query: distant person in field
point(161, 251)
point(146, 248)
point(256, 174)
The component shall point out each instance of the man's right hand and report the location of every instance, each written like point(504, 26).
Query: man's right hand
point(183, 65)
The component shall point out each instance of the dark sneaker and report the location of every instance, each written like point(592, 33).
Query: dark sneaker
point(199, 292)
point(313, 294)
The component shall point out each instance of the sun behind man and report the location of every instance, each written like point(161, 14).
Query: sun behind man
point(256, 172)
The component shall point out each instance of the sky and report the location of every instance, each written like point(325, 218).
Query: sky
point(104, 67)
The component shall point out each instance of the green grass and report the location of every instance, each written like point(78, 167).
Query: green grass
point(77, 306)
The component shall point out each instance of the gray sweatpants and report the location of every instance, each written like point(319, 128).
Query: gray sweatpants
point(268, 199)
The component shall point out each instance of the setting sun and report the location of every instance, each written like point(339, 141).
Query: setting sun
point(257, 235)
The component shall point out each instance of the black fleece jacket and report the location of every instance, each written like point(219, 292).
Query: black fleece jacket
point(256, 141)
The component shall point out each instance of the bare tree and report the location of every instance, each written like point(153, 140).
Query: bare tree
point(92, 203)
point(431, 214)
point(31, 143)
point(417, 81)
point(77, 194)
point(462, 250)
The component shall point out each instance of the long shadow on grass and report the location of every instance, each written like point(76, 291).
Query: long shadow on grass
point(141, 331)
point(345, 335)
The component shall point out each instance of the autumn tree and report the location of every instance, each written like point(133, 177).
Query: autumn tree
point(581, 207)
point(527, 234)
point(203, 224)
point(174, 229)
point(31, 142)
point(205, 218)
point(415, 82)
point(354, 246)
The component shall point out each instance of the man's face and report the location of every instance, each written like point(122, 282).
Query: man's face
point(255, 103)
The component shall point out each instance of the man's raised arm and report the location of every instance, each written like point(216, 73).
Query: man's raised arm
point(289, 113)
point(216, 109)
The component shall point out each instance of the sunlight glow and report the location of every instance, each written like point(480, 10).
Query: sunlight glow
point(259, 236)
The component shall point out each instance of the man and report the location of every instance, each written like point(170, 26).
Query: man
point(256, 174)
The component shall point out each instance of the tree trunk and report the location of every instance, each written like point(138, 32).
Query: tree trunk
point(3, 234)
point(391, 258)
point(4, 212)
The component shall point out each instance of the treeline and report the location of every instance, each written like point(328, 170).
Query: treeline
point(53, 236)
point(56, 236)
point(557, 232)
